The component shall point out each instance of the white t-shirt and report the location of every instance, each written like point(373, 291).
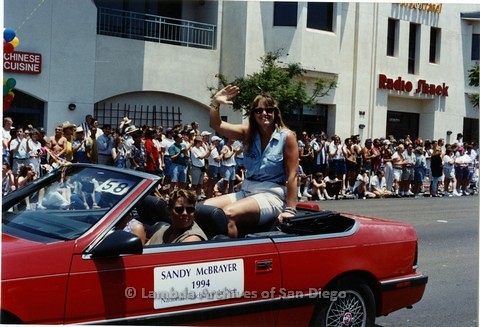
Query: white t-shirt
point(360, 179)
point(6, 135)
point(211, 158)
point(195, 153)
point(463, 160)
point(446, 162)
point(166, 143)
point(379, 184)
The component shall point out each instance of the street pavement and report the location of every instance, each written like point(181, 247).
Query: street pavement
point(448, 230)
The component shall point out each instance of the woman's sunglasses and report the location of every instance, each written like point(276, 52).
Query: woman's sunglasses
point(268, 110)
point(180, 210)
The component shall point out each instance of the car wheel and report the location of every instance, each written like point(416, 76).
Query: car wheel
point(353, 306)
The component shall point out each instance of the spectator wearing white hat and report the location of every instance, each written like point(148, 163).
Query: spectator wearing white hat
point(81, 147)
point(205, 136)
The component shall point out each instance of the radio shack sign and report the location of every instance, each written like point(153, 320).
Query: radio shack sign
point(401, 85)
point(22, 62)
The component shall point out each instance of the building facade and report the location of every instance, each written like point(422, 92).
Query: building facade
point(401, 68)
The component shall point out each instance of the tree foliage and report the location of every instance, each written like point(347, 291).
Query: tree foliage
point(285, 84)
point(473, 78)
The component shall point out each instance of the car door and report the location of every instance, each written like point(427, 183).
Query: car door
point(221, 279)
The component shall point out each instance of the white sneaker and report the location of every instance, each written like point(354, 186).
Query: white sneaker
point(455, 193)
point(299, 195)
point(307, 194)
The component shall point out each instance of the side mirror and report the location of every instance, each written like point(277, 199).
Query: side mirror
point(117, 243)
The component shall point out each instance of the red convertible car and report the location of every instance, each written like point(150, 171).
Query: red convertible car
point(66, 260)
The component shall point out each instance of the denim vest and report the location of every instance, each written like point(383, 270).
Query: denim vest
point(269, 165)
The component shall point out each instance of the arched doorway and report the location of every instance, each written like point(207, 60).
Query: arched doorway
point(26, 110)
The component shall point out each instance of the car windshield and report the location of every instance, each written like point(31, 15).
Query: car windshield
point(65, 203)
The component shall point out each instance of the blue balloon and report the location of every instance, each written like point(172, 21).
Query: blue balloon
point(8, 34)
point(11, 82)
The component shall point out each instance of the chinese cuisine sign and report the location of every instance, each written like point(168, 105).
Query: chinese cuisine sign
point(22, 62)
point(203, 282)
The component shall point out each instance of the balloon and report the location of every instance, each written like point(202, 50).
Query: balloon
point(11, 82)
point(14, 42)
point(6, 106)
point(5, 90)
point(8, 34)
point(4, 81)
point(8, 98)
point(7, 47)
point(12, 94)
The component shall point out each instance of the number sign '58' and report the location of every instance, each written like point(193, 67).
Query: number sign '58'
point(116, 186)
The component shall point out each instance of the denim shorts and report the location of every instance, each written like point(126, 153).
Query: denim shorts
point(228, 173)
point(419, 175)
point(168, 166)
point(179, 173)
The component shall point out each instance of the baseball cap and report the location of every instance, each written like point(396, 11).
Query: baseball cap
point(216, 138)
point(205, 133)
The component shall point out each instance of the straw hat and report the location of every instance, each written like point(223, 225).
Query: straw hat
point(68, 124)
point(131, 129)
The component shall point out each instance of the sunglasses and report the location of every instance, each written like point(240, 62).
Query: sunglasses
point(180, 210)
point(268, 110)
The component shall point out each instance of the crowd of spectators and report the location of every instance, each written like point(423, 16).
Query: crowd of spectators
point(188, 158)
point(385, 167)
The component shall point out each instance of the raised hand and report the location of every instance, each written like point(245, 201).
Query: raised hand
point(225, 95)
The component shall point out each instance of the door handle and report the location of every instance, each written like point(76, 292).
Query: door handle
point(262, 266)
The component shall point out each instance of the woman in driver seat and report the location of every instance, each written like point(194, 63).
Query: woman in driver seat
point(183, 228)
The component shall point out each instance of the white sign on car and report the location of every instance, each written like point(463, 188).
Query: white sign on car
point(194, 283)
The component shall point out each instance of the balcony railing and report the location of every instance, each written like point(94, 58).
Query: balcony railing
point(154, 28)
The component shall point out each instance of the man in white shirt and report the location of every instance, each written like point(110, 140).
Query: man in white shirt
point(166, 142)
point(19, 151)
point(214, 163)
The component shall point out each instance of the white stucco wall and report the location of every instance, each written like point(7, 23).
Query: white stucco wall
point(63, 31)
point(82, 67)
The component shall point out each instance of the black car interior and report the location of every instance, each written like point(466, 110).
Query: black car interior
point(153, 212)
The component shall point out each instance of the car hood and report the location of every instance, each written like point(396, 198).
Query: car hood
point(23, 258)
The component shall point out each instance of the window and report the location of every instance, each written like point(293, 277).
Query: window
point(475, 46)
point(434, 45)
point(391, 36)
point(412, 48)
point(470, 129)
point(285, 13)
point(320, 16)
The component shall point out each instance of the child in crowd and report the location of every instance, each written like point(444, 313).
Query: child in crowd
point(319, 187)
